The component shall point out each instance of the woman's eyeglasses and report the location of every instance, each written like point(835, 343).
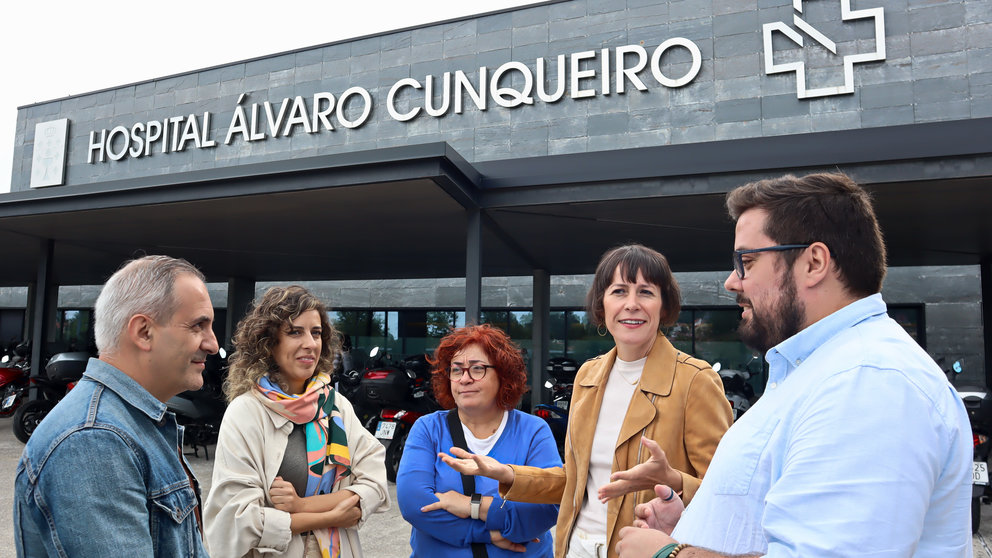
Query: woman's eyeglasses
point(476, 371)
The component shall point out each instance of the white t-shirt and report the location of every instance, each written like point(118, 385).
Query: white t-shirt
point(481, 446)
point(620, 387)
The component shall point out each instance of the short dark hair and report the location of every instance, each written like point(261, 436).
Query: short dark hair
point(502, 352)
point(631, 259)
point(826, 207)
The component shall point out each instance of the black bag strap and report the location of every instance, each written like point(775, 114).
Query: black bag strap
point(468, 481)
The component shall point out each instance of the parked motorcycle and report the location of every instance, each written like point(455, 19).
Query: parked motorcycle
point(60, 375)
point(562, 371)
point(403, 394)
point(736, 388)
point(14, 378)
point(978, 403)
point(200, 411)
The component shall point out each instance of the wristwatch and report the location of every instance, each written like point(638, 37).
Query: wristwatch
point(476, 504)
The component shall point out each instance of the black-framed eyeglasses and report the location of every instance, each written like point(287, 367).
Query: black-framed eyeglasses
point(739, 254)
point(476, 371)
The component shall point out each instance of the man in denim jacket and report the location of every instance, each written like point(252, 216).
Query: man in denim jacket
point(103, 475)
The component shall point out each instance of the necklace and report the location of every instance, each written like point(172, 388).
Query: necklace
point(636, 381)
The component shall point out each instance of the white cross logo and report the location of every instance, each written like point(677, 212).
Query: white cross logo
point(847, 14)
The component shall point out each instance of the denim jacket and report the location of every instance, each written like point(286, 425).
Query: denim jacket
point(101, 476)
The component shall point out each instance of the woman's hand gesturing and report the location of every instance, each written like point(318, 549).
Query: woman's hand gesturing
point(477, 465)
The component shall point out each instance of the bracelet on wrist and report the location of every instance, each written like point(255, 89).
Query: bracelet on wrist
point(665, 551)
point(670, 550)
point(475, 505)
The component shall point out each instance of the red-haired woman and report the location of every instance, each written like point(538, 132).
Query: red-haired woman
point(479, 376)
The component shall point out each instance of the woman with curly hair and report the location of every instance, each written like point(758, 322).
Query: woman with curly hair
point(295, 473)
point(479, 375)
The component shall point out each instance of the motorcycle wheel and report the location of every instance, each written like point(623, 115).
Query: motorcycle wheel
point(28, 416)
point(976, 514)
point(394, 452)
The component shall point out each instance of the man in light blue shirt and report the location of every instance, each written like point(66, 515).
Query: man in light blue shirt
point(859, 445)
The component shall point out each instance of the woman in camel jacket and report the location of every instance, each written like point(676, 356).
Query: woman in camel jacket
point(643, 389)
point(681, 406)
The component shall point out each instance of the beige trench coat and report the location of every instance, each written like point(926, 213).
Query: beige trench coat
point(239, 518)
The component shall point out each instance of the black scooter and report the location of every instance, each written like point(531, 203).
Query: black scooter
point(60, 375)
point(562, 371)
point(978, 403)
point(200, 411)
point(402, 393)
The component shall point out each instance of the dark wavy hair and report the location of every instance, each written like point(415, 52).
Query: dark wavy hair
point(503, 354)
point(631, 259)
point(258, 334)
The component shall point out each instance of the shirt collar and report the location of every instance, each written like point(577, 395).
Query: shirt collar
point(126, 387)
point(789, 354)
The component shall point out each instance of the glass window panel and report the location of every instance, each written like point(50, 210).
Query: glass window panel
point(439, 323)
point(393, 334)
point(520, 326)
point(73, 330)
point(556, 331)
point(496, 318)
point(584, 341)
point(910, 318)
point(680, 334)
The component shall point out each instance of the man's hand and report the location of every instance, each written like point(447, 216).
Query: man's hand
point(641, 543)
point(655, 470)
point(455, 503)
point(661, 513)
point(284, 496)
point(477, 465)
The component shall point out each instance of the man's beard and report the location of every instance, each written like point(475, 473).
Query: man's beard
point(785, 319)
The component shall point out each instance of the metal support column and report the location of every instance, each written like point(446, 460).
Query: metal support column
point(540, 335)
point(44, 299)
point(473, 267)
point(986, 267)
point(240, 294)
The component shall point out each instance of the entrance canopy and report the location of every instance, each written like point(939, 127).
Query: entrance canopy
point(403, 212)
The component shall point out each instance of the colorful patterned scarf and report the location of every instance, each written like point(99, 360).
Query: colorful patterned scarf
point(327, 443)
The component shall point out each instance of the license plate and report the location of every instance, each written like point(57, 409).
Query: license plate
point(981, 472)
point(386, 430)
point(8, 402)
point(561, 404)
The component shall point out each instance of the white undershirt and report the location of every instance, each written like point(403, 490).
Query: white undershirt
point(481, 446)
point(620, 387)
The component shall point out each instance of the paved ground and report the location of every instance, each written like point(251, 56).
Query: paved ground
point(384, 535)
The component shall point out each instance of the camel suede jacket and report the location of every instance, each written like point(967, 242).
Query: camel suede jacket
point(679, 403)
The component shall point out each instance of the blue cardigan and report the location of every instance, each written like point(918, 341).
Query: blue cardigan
point(526, 440)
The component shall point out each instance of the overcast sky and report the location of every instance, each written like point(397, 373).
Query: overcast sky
point(54, 49)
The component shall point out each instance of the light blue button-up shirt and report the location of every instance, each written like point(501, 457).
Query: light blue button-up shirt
point(858, 447)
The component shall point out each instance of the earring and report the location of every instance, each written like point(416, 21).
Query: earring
point(601, 330)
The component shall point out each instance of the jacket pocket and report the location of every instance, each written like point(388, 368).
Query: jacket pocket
point(174, 532)
point(748, 445)
point(177, 504)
